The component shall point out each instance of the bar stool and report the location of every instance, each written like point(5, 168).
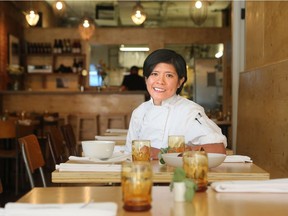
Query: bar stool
point(80, 121)
point(114, 120)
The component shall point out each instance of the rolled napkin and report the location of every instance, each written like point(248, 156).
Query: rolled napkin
point(260, 186)
point(88, 167)
point(111, 138)
point(237, 158)
point(75, 209)
point(116, 157)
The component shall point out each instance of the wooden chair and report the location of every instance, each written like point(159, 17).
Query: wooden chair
point(10, 131)
point(9, 149)
point(114, 120)
point(56, 145)
point(84, 130)
point(70, 139)
point(1, 188)
point(33, 157)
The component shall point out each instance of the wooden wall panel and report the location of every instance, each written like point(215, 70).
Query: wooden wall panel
point(266, 32)
point(262, 131)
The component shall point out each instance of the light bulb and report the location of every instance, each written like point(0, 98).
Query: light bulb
point(198, 4)
point(138, 15)
point(59, 5)
point(32, 18)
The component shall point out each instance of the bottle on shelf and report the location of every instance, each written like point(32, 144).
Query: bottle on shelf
point(68, 46)
point(60, 46)
point(75, 66)
point(55, 46)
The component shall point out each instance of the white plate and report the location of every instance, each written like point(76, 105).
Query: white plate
point(111, 138)
point(117, 157)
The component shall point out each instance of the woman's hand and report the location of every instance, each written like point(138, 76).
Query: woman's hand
point(154, 153)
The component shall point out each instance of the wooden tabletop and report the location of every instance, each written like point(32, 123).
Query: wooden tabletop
point(163, 174)
point(207, 203)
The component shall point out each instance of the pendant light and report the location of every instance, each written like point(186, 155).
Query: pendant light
point(59, 7)
point(86, 28)
point(32, 18)
point(199, 12)
point(138, 15)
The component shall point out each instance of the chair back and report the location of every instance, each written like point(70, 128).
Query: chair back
point(1, 188)
point(70, 139)
point(32, 156)
point(56, 144)
point(24, 130)
point(8, 129)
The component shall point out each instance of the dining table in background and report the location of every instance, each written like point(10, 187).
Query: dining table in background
point(163, 174)
point(209, 203)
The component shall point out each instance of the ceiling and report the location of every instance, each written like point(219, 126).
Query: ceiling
point(116, 13)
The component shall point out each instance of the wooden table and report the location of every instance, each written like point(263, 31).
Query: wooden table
point(163, 174)
point(207, 203)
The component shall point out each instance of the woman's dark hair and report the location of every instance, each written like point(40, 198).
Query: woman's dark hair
point(169, 57)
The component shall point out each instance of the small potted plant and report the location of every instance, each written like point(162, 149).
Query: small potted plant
point(182, 187)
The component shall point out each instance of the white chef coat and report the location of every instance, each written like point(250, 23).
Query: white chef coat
point(176, 116)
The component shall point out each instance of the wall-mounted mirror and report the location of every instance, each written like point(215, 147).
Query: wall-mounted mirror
point(109, 63)
point(205, 75)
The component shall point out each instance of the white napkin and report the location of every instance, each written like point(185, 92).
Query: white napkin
point(112, 130)
point(111, 138)
point(116, 157)
point(25, 121)
point(264, 186)
point(82, 167)
point(87, 209)
point(237, 158)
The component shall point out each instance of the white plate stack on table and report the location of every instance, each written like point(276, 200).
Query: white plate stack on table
point(237, 159)
point(119, 139)
point(115, 131)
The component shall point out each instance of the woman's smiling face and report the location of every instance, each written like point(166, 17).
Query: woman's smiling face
point(163, 82)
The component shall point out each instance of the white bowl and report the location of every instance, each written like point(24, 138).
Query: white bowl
point(172, 159)
point(98, 149)
point(215, 159)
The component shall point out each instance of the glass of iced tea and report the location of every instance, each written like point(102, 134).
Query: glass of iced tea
point(136, 182)
point(176, 143)
point(141, 150)
point(195, 164)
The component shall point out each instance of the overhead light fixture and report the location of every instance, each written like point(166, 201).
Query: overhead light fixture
point(32, 18)
point(133, 49)
point(86, 28)
point(220, 52)
point(138, 15)
point(199, 11)
point(59, 7)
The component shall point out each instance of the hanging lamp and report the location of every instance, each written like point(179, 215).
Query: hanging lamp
point(199, 11)
point(138, 15)
point(59, 7)
point(86, 28)
point(32, 17)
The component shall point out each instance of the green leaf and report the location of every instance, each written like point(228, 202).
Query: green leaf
point(191, 188)
point(162, 151)
point(179, 175)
